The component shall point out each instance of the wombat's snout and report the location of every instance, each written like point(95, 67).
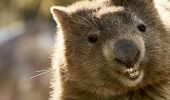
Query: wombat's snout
point(126, 52)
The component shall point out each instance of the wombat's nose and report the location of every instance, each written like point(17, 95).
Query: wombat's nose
point(126, 52)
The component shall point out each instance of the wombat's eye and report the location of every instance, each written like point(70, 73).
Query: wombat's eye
point(92, 38)
point(142, 27)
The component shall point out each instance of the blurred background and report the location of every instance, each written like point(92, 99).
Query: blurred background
point(26, 41)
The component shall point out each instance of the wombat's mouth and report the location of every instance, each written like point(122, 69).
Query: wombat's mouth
point(132, 74)
point(132, 77)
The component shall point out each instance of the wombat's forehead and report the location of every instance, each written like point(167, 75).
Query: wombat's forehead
point(98, 12)
point(105, 14)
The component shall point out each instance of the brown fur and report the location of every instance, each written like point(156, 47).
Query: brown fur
point(86, 71)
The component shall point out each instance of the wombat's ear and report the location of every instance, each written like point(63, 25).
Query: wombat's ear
point(59, 14)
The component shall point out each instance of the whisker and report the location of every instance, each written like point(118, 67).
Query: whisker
point(151, 62)
point(156, 66)
point(39, 71)
point(156, 50)
point(42, 73)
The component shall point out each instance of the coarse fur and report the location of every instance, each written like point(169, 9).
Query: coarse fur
point(88, 71)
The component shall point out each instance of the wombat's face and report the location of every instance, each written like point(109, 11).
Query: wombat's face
point(112, 48)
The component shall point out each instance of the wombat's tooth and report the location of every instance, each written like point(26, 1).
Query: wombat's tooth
point(130, 70)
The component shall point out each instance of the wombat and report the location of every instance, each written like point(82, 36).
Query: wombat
point(110, 50)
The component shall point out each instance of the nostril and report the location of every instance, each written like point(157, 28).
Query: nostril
point(119, 61)
point(137, 55)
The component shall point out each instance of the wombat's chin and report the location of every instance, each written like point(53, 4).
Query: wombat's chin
point(132, 78)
